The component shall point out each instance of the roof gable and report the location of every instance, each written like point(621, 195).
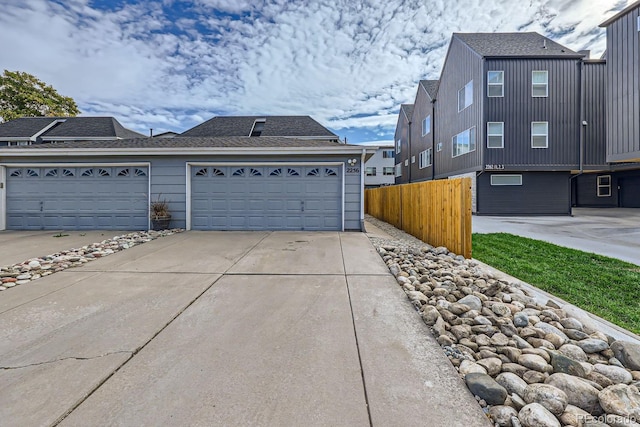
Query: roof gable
point(67, 127)
point(407, 109)
point(290, 126)
point(431, 87)
point(529, 44)
point(24, 127)
point(620, 14)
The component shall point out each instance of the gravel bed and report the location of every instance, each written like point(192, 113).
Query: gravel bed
point(527, 364)
point(35, 268)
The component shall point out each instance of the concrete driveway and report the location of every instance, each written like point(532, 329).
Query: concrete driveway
point(215, 328)
point(610, 232)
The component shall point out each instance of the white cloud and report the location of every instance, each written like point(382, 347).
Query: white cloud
point(335, 60)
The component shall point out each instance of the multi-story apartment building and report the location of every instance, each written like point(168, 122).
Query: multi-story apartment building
point(379, 169)
point(520, 114)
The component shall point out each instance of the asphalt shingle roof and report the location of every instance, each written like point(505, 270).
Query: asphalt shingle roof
point(24, 127)
point(189, 142)
point(431, 86)
point(408, 110)
point(515, 45)
point(302, 126)
point(71, 127)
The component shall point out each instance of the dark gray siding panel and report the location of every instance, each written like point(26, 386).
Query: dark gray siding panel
point(422, 108)
point(586, 191)
point(623, 96)
point(595, 139)
point(402, 133)
point(541, 193)
point(629, 183)
point(461, 66)
point(517, 109)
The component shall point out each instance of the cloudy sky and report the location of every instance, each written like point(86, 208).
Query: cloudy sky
point(171, 64)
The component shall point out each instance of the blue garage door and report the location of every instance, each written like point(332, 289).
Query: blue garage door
point(77, 198)
point(266, 198)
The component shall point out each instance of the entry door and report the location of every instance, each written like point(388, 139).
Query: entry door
point(629, 192)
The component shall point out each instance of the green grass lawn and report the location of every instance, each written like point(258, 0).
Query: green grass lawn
point(603, 286)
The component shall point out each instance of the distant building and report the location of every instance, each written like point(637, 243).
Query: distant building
point(379, 169)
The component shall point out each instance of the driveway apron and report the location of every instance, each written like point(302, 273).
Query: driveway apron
point(225, 328)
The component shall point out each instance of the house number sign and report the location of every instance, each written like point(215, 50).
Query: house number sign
point(494, 167)
point(353, 170)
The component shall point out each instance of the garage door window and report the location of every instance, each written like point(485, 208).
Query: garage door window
point(123, 172)
point(292, 172)
point(276, 172)
point(314, 172)
point(238, 172)
point(68, 172)
point(51, 172)
point(330, 172)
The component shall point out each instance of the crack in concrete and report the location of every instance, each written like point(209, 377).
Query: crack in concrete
point(6, 368)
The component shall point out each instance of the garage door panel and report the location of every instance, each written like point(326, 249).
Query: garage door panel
point(63, 198)
point(259, 198)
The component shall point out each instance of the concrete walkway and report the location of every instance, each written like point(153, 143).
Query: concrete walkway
point(611, 232)
point(215, 328)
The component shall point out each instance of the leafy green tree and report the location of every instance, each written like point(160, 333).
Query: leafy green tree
point(23, 95)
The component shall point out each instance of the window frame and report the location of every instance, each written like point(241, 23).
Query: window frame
point(600, 186)
point(425, 159)
point(388, 154)
point(398, 145)
point(371, 169)
point(490, 85)
point(501, 135)
point(469, 97)
point(426, 130)
point(546, 135)
point(504, 176)
point(398, 170)
point(388, 170)
point(472, 141)
point(545, 84)
point(439, 147)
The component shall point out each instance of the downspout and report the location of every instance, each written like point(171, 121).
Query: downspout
point(362, 160)
point(409, 150)
point(433, 142)
point(581, 142)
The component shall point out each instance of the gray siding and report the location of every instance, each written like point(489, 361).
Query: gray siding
point(541, 193)
point(461, 66)
point(402, 133)
point(517, 109)
point(168, 178)
point(594, 101)
point(422, 107)
point(586, 191)
point(379, 162)
point(623, 96)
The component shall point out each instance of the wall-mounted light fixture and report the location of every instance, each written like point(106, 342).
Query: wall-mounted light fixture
point(352, 162)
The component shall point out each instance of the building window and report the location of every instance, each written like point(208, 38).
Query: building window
point(398, 145)
point(439, 146)
point(495, 84)
point(399, 169)
point(387, 154)
point(425, 158)
point(388, 170)
point(604, 186)
point(465, 96)
point(370, 171)
point(426, 125)
point(539, 134)
point(539, 84)
point(506, 179)
point(495, 135)
point(464, 142)
point(258, 127)
point(413, 159)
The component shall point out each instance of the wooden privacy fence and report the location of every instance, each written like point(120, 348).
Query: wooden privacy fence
point(436, 212)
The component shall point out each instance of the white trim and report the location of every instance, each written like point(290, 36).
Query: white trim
point(362, 162)
point(3, 198)
point(35, 136)
point(189, 165)
point(546, 84)
point(181, 151)
point(546, 135)
point(600, 186)
point(501, 84)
